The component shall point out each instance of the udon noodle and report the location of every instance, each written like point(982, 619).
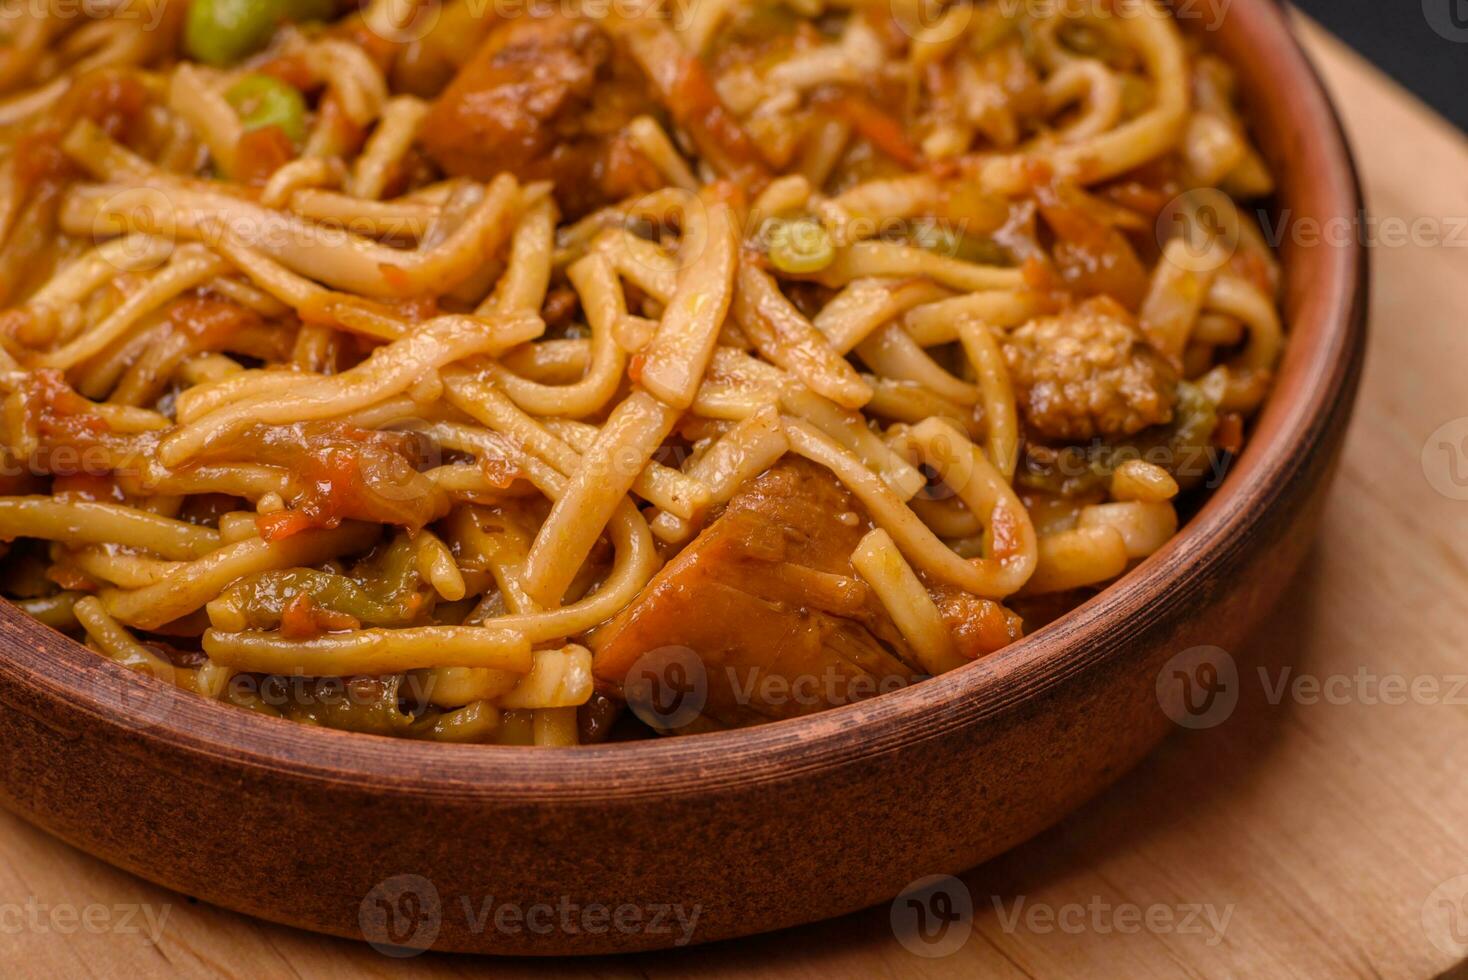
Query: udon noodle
point(424, 369)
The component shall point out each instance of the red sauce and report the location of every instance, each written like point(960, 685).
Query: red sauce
point(88, 486)
point(211, 321)
point(878, 128)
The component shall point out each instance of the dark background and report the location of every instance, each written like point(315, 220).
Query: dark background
point(1397, 37)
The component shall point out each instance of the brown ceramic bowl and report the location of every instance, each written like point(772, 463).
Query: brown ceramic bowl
point(757, 829)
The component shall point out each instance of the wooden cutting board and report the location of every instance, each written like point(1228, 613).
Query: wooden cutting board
point(1322, 829)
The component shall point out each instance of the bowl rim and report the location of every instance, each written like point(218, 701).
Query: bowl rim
point(1298, 417)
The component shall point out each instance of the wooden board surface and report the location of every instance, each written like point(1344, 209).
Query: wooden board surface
point(1321, 825)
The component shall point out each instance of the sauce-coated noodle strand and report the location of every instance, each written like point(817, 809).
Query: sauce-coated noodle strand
point(192, 585)
point(388, 371)
point(90, 522)
point(982, 488)
point(632, 433)
point(880, 563)
point(674, 362)
point(373, 652)
point(1077, 558)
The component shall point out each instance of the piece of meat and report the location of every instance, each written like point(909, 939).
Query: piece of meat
point(768, 603)
point(543, 98)
point(1088, 372)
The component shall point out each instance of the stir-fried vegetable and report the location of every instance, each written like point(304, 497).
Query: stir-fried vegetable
point(800, 246)
point(383, 590)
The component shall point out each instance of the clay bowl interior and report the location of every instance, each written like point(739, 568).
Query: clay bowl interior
point(761, 828)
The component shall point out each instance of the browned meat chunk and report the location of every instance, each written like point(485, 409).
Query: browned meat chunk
point(1088, 372)
point(767, 600)
point(543, 99)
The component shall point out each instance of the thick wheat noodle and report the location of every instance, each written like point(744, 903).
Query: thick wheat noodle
point(1001, 416)
point(866, 304)
point(878, 561)
point(388, 371)
point(387, 145)
point(1148, 135)
point(631, 435)
point(1238, 297)
point(864, 260)
point(246, 480)
point(522, 288)
point(399, 218)
point(936, 322)
point(1144, 526)
point(601, 296)
point(885, 198)
point(83, 275)
point(301, 177)
point(208, 396)
point(130, 571)
point(1076, 558)
point(674, 362)
point(640, 262)
point(190, 586)
point(207, 113)
point(664, 486)
point(188, 268)
point(746, 450)
point(371, 651)
point(983, 489)
point(653, 140)
point(908, 401)
point(112, 640)
point(787, 338)
point(249, 296)
point(335, 257)
point(668, 488)
point(891, 351)
point(89, 522)
point(849, 429)
point(1099, 87)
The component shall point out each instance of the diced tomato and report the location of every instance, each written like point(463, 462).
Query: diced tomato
point(260, 153)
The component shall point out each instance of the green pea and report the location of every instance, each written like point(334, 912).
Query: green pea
point(800, 246)
point(221, 32)
point(262, 100)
